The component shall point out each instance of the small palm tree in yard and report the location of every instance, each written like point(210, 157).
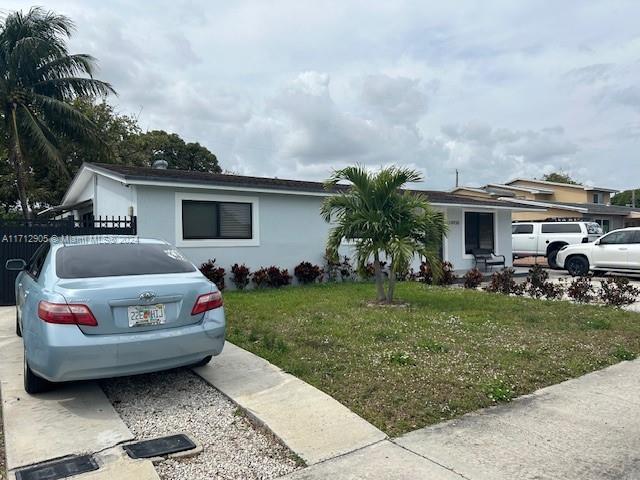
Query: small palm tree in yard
point(38, 80)
point(382, 219)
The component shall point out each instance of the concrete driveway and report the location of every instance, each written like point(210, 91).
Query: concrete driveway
point(75, 419)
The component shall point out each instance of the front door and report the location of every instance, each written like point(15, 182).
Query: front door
point(612, 250)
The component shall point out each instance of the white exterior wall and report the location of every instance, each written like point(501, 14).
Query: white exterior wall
point(454, 245)
point(113, 198)
point(288, 229)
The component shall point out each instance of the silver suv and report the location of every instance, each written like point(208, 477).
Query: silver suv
point(545, 239)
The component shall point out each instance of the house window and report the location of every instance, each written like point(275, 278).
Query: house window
point(597, 198)
point(478, 231)
point(204, 220)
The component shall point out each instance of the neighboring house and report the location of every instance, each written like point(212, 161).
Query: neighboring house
point(257, 221)
point(560, 201)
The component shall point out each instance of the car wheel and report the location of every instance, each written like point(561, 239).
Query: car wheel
point(202, 362)
point(18, 329)
point(577, 266)
point(32, 382)
point(551, 259)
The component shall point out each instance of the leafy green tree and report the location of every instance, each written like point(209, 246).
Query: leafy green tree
point(382, 219)
point(624, 198)
point(118, 132)
point(160, 145)
point(559, 177)
point(126, 145)
point(39, 79)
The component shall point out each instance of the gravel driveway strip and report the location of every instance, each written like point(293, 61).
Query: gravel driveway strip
point(178, 401)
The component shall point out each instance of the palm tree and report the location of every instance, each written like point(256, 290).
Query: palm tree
point(38, 80)
point(382, 219)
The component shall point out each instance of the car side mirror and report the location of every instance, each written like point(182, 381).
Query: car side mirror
point(597, 242)
point(15, 264)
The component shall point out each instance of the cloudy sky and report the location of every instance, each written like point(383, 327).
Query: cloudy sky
point(294, 89)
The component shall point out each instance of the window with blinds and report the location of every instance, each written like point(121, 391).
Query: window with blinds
point(216, 220)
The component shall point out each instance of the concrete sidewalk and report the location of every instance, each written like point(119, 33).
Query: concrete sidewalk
point(583, 429)
point(74, 419)
point(311, 423)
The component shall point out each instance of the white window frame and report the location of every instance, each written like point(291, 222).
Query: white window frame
point(254, 241)
point(496, 248)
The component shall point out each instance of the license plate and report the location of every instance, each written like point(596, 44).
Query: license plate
point(143, 315)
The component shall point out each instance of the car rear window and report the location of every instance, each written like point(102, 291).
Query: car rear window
point(110, 260)
point(561, 228)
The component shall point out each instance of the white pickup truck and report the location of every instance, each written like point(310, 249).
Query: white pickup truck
point(545, 239)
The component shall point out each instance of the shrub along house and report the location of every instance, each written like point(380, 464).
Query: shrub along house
point(258, 221)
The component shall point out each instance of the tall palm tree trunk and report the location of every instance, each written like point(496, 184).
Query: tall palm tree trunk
point(15, 158)
point(379, 280)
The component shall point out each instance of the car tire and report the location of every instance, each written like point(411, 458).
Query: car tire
point(18, 329)
point(202, 362)
point(32, 382)
point(551, 259)
point(577, 266)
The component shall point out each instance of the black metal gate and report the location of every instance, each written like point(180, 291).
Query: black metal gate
point(21, 238)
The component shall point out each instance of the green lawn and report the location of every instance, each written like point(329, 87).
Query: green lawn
point(450, 352)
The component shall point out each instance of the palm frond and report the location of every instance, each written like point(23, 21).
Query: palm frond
point(72, 87)
point(39, 136)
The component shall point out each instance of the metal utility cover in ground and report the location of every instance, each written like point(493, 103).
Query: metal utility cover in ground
point(64, 468)
point(159, 447)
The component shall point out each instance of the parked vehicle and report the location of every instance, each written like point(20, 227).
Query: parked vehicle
point(92, 307)
point(545, 239)
point(617, 251)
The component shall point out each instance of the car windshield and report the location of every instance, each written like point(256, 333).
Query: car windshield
point(109, 260)
point(594, 228)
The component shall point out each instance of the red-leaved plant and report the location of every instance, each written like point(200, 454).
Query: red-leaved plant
point(240, 275)
point(214, 273)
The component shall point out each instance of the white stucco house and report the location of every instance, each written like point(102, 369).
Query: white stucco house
point(257, 221)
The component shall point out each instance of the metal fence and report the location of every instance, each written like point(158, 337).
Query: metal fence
point(21, 238)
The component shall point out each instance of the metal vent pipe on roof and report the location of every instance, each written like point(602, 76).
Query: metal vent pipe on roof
point(160, 165)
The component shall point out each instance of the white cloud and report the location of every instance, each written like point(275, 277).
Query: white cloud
point(295, 89)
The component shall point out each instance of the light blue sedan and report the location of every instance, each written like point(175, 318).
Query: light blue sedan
point(103, 306)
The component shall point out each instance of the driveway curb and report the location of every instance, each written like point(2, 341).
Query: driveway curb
point(311, 423)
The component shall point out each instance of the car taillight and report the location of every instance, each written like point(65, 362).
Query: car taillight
point(63, 313)
point(207, 302)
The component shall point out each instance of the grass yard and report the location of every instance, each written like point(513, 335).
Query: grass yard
point(450, 352)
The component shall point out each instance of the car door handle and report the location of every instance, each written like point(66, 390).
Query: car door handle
point(532, 238)
point(623, 248)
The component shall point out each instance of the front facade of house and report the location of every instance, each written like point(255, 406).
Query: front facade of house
point(257, 221)
point(559, 202)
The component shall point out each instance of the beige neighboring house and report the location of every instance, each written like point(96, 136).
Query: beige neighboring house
point(562, 202)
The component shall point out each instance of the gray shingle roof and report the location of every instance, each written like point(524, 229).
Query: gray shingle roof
point(222, 179)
